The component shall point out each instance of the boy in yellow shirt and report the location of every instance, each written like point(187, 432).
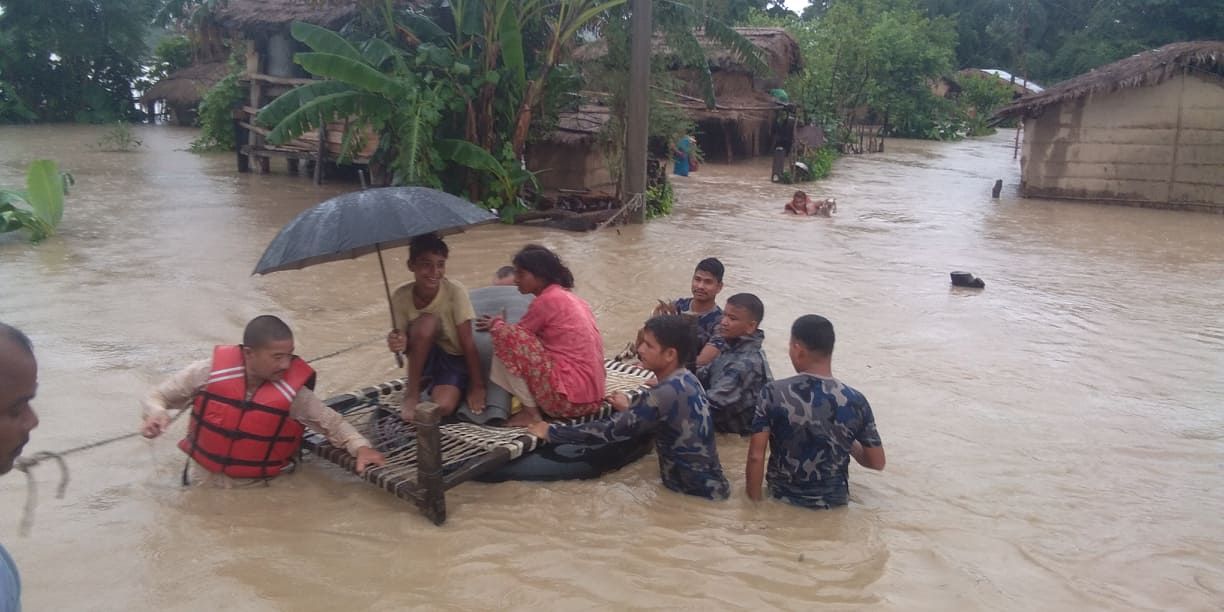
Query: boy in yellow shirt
point(436, 315)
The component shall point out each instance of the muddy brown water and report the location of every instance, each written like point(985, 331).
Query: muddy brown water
point(1055, 441)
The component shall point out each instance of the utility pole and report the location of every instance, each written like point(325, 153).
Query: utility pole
point(636, 125)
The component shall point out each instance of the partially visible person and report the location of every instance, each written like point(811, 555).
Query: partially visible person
point(512, 305)
point(675, 410)
point(18, 386)
point(703, 307)
point(682, 154)
point(552, 359)
point(799, 204)
point(734, 379)
point(436, 314)
point(504, 276)
point(249, 404)
point(812, 424)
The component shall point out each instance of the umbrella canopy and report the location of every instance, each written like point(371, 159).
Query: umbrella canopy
point(362, 222)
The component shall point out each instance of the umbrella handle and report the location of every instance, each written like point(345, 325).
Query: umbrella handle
point(399, 359)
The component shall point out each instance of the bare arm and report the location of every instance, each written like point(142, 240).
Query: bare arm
point(708, 353)
point(870, 457)
point(755, 468)
point(174, 393)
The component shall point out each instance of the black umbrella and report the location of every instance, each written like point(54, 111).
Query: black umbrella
point(363, 222)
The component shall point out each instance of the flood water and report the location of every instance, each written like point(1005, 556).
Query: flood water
point(1055, 441)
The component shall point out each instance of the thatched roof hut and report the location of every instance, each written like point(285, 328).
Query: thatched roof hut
point(1143, 131)
point(781, 51)
point(1140, 70)
point(187, 86)
point(262, 17)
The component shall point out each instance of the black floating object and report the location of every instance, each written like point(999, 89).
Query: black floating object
point(967, 279)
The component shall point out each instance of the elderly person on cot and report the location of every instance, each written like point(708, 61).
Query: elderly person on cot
point(552, 359)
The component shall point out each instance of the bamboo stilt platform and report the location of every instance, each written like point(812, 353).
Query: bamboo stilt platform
point(426, 458)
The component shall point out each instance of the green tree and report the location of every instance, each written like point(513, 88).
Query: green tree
point(73, 59)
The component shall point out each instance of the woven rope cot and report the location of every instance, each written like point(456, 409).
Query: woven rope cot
point(427, 457)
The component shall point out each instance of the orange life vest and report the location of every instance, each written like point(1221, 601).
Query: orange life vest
point(243, 438)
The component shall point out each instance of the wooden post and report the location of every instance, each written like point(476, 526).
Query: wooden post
point(254, 100)
point(429, 462)
point(240, 136)
point(637, 124)
point(321, 153)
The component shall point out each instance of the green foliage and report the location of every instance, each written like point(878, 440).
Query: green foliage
point(216, 113)
point(119, 139)
point(980, 97)
point(171, 53)
point(819, 162)
point(871, 61)
point(660, 198)
point(73, 59)
point(1052, 40)
point(12, 109)
point(39, 207)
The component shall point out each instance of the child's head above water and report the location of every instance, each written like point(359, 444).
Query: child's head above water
point(668, 342)
point(742, 315)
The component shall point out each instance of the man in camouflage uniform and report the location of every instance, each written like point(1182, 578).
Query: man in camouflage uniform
point(734, 379)
point(675, 410)
point(703, 308)
point(813, 424)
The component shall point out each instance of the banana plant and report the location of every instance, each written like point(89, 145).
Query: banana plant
point(39, 207)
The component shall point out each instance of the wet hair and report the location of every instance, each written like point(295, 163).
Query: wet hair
point(675, 332)
point(504, 272)
point(264, 329)
point(711, 265)
point(798, 194)
point(749, 302)
point(427, 243)
point(15, 336)
point(815, 333)
point(545, 265)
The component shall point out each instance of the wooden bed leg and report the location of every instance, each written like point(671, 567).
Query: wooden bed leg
point(429, 462)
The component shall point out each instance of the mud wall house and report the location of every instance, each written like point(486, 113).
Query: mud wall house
point(569, 158)
point(263, 27)
point(1147, 131)
point(182, 90)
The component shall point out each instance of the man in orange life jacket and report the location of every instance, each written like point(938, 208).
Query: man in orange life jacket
point(249, 404)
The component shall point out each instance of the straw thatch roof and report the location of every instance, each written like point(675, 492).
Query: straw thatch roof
point(270, 16)
point(1140, 70)
point(580, 126)
point(781, 51)
point(185, 87)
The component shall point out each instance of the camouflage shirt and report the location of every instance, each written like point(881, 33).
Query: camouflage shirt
point(709, 330)
point(812, 421)
point(733, 382)
point(677, 412)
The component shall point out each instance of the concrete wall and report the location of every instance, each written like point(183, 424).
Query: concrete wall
point(1150, 146)
point(569, 166)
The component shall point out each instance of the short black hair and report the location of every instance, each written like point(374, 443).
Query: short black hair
point(815, 333)
point(427, 243)
point(264, 329)
point(711, 265)
point(749, 302)
point(675, 332)
point(17, 337)
point(504, 272)
point(545, 265)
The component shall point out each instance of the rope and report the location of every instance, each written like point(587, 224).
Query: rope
point(24, 464)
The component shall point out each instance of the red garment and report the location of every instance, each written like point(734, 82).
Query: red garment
point(525, 357)
point(566, 328)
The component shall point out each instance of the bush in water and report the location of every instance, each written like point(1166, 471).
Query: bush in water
point(39, 207)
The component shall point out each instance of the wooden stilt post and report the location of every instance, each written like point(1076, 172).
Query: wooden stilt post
point(429, 462)
point(321, 154)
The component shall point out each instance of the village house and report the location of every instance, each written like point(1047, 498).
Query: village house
point(1147, 130)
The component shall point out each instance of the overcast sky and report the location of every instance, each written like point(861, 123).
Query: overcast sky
point(796, 5)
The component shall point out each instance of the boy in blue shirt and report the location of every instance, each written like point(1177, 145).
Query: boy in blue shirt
point(676, 410)
point(813, 424)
